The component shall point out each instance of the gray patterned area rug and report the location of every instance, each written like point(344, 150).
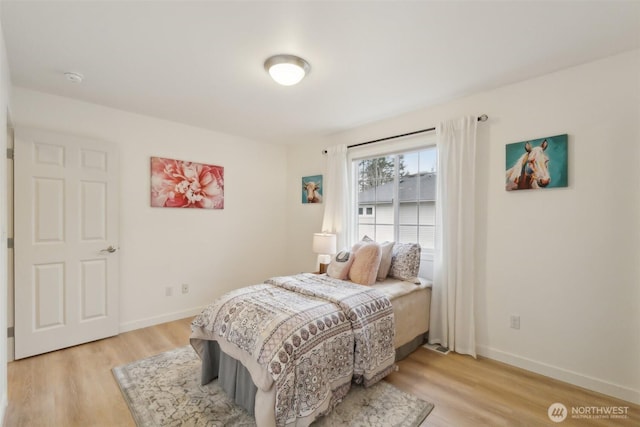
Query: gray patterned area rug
point(164, 390)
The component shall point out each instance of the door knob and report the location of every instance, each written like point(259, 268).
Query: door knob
point(110, 249)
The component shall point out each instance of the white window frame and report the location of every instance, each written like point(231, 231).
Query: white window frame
point(380, 149)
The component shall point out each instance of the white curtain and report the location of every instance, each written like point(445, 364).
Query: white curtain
point(337, 196)
point(452, 306)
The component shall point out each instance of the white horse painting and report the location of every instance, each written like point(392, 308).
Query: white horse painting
point(531, 170)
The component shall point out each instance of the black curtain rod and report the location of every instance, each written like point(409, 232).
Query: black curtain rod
point(482, 118)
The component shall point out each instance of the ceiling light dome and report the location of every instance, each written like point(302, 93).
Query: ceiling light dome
point(74, 77)
point(287, 70)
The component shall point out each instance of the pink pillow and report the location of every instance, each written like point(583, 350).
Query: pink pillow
point(365, 264)
point(387, 254)
point(340, 265)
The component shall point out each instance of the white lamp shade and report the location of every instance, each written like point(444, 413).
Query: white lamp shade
point(324, 243)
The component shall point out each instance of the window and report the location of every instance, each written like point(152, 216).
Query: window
point(396, 196)
point(365, 211)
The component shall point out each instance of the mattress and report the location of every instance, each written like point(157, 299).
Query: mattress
point(411, 305)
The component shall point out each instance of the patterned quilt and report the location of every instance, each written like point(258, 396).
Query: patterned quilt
point(311, 334)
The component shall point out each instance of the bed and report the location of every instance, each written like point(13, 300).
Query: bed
point(357, 349)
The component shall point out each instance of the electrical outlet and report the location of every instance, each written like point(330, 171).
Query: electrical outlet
point(185, 288)
point(514, 321)
point(168, 291)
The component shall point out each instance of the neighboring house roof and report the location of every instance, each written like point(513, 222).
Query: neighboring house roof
point(408, 190)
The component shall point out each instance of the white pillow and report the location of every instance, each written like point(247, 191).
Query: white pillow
point(340, 265)
point(385, 261)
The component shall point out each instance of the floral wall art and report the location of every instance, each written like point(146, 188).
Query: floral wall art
point(182, 184)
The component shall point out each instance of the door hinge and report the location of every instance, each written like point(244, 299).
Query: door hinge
point(10, 243)
point(10, 332)
point(10, 153)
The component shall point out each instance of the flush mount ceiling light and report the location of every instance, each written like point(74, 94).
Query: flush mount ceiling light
point(74, 77)
point(286, 70)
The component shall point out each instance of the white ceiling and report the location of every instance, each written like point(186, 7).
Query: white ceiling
point(201, 63)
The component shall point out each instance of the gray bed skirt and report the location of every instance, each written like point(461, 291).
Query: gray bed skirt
point(236, 381)
point(405, 350)
point(232, 376)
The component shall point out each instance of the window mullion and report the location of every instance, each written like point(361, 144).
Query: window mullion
point(396, 198)
point(419, 199)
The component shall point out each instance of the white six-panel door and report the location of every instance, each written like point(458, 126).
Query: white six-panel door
point(66, 241)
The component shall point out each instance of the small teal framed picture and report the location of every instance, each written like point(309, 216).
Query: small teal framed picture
point(537, 164)
point(312, 189)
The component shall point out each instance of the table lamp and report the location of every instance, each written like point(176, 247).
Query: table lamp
point(324, 244)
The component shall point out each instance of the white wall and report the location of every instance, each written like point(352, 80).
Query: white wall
point(211, 250)
point(303, 219)
point(4, 107)
point(565, 260)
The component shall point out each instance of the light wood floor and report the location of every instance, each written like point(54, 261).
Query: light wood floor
point(75, 387)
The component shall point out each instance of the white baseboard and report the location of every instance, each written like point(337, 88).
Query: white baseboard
point(11, 349)
point(575, 378)
point(4, 403)
point(156, 320)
